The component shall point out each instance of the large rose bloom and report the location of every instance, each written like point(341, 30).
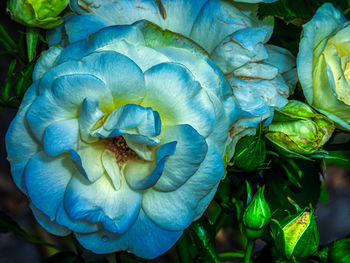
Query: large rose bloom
point(121, 137)
point(261, 75)
point(324, 64)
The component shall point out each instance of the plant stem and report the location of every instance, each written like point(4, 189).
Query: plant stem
point(248, 251)
point(226, 256)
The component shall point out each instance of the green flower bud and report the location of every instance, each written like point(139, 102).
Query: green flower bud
point(250, 153)
point(256, 215)
point(339, 251)
point(37, 13)
point(299, 129)
point(297, 236)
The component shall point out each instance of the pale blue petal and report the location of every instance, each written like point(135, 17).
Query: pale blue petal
point(326, 20)
point(116, 210)
point(70, 91)
point(18, 154)
point(225, 117)
point(203, 69)
point(136, 123)
point(78, 226)
point(291, 78)
point(251, 13)
point(46, 61)
point(114, 38)
point(173, 92)
point(153, 241)
point(80, 27)
point(112, 168)
point(191, 150)
point(88, 160)
point(141, 175)
point(46, 180)
point(221, 19)
point(187, 10)
point(143, 151)
point(90, 114)
point(280, 58)
point(121, 12)
point(57, 36)
point(45, 111)
point(257, 71)
point(175, 210)
point(61, 136)
point(112, 68)
point(204, 203)
point(239, 48)
point(49, 225)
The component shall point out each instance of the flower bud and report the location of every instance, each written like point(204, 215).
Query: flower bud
point(37, 13)
point(250, 153)
point(339, 251)
point(297, 235)
point(299, 129)
point(256, 215)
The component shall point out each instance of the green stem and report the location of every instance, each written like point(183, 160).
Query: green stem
point(227, 256)
point(182, 249)
point(248, 251)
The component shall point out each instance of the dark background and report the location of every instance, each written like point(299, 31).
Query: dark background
point(333, 217)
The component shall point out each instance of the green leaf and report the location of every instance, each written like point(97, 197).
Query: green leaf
point(23, 80)
point(293, 172)
point(340, 158)
point(6, 90)
point(32, 36)
point(7, 40)
point(64, 257)
point(296, 11)
point(339, 251)
point(278, 187)
point(203, 235)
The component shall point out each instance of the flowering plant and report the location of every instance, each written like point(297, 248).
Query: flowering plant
point(143, 125)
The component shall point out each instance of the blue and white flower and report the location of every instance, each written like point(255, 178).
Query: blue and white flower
point(261, 75)
point(121, 138)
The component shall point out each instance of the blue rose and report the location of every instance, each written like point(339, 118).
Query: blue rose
point(121, 138)
point(261, 75)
